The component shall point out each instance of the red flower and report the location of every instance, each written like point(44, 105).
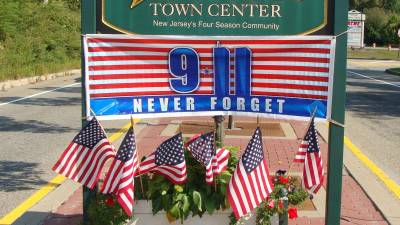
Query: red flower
point(283, 180)
point(271, 204)
point(292, 213)
point(280, 204)
point(109, 201)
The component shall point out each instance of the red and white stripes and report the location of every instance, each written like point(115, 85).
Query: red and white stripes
point(82, 164)
point(176, 174)
point(138, 65)
point(247, 190)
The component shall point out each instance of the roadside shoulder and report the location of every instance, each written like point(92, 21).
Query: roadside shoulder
point(5, 85)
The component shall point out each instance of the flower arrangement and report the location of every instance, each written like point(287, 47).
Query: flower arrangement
point(104, 209)
point(284, 187)
point(195, 197)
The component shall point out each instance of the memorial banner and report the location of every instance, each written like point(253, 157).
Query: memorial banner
point(164, 76)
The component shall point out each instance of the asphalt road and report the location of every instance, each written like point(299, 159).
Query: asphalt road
point(373, 117)
point(35, 130)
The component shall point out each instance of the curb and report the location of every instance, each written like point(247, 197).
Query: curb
point(370, 59)
point(393, 71)
point(31, 80)
point(37, 214)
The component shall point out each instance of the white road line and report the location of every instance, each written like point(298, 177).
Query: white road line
point(37, 94)
point(384, 82)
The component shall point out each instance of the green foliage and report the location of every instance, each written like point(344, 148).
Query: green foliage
point(274, 204)
point(382, 20)
point(381, 26)
point(37, 38)
point(73, 4)
point(382, 54)
point(3, 35)
point(192, 198)
point(101, 213)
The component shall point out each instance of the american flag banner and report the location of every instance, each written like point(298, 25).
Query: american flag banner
point(214, 160)
point(168, 160)
point(302, 151)
point(309, 153)
point(272, 76)
point(250, 183)
point(120, 176)
point(84, 158)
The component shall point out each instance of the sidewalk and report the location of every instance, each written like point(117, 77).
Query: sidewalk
point(281, 144)
point(366, 64)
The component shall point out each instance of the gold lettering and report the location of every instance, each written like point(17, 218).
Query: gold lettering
point(171, 9)
point(236, 8)
point(182, 8)
point(251, 9)
point(198, 11)
point(224, 10)
point(155, 9)
point(275, 10)
point(210, 8)
point(263, 10)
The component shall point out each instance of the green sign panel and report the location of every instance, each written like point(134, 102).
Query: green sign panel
point(215, 17)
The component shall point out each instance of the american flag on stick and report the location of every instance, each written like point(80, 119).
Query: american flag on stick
point(203, 150)
point(85, 156)
point(250, 183)
point(168, 160)
point(120, 177)
point(310, 154)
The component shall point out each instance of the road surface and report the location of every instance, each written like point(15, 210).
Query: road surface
point(34, 131)
point(373, 117)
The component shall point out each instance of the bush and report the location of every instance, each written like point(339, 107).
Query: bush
point(381, 26)
point(194, 197)
point(38, 38)
point(74, 5)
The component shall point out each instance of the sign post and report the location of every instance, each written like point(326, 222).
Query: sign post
point(207, 18)
point(336, 132)
point(88, 26)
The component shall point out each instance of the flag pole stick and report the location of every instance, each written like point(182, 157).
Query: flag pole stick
point(215, 180)
point(140, 177)
point(305, 133)
point(91, 110)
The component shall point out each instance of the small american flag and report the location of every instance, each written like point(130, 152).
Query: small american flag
point(301, 152)
point(120, 176)
point(85, 156)
point(250, 183)
point(168, 160)
point(310, 154)
point(203, 150)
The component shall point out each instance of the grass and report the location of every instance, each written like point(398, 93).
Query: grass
point(380, 54)
point(394, 71)
point(37, 38)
